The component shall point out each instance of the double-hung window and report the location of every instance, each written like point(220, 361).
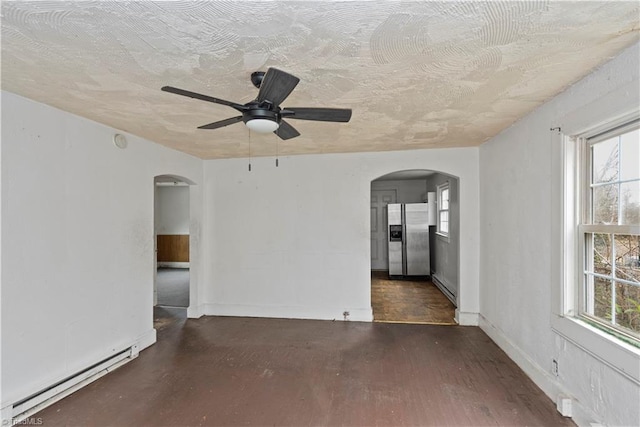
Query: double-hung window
point(443, 209)
point(608, 232)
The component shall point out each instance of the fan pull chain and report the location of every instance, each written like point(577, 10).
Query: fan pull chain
point(249, 150)
point(277, 138)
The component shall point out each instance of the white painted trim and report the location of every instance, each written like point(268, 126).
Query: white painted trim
point(195, 312)
point(173, 264)
point(616, 354)
point(464, 318)
point(146, 340)
point(582, 416)
point(315, 313)
point(172, 184)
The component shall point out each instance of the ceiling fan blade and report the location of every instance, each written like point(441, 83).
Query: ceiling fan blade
point(276, 86)
point(221, 123)
point(320, 114)
point(286, 131)
point(183, 92)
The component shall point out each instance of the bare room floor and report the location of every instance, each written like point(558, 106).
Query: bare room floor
point(262, 372)
point(409, 301)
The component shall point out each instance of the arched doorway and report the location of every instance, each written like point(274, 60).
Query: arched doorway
point(414, 247)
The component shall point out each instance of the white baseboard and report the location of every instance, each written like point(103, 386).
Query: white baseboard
point(171, 264)
point(545, 380)
point(146, 340)
point(195, 312)
point(286, 312)
point(464, 318)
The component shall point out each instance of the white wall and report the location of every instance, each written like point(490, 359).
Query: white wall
point(407, 190)
point(172, 214)
point(519, 173)
point(77, 242)
point(444, 250)
point(294, 241)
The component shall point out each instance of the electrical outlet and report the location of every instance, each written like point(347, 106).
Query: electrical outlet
point(346, 315)
point(554, 367)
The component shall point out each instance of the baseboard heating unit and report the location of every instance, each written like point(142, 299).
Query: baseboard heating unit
point(28, 406)
point(447, 293)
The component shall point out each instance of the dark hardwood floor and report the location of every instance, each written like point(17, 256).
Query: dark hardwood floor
point(409, 301)
point(272, 372)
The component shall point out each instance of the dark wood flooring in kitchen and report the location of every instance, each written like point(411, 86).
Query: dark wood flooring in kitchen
point(409, 301)
point(226, 371)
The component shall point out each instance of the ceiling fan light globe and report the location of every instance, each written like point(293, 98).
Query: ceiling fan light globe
point(262, 125)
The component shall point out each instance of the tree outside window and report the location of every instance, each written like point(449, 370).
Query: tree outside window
point(611, 291)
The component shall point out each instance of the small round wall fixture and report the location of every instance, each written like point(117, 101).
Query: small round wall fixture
point(120, 141)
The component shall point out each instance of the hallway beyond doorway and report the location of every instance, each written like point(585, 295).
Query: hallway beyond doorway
point(409, 301)
point(173, 287)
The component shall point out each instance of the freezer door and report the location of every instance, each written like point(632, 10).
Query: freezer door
point(395, 237)
point(417, 239)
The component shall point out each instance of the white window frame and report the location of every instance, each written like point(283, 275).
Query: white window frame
point(586, 224)
point(566, 251)
point(440, 189)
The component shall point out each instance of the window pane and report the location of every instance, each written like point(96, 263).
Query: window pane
point(630, 155)
point(604, 160)
point(628, 306)
point(601, 255)
point(605, 204)
point(611, 287)
point(602, 298)
point(445, 199)
point(628, 257)
point(444, 222)
point(630, 203)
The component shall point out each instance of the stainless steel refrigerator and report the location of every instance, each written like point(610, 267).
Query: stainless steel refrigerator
point(408, 239)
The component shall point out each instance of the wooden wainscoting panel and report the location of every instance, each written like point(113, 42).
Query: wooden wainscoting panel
point(173, 248)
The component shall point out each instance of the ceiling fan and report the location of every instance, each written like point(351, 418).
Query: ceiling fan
point(264, 113)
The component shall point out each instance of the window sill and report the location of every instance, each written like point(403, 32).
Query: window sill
point(442, 236)
point(617, 354)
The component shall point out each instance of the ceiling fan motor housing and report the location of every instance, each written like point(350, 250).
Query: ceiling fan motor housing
point(260, 113)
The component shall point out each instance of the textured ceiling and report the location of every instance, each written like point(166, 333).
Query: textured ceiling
point(416, 74)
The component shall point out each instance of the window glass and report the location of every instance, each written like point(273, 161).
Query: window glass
point(605, 204)
point(605, 161)
point(630, 203)
point(444, 221)
point(443, 208)
point(610, 289)
point(627, 260)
